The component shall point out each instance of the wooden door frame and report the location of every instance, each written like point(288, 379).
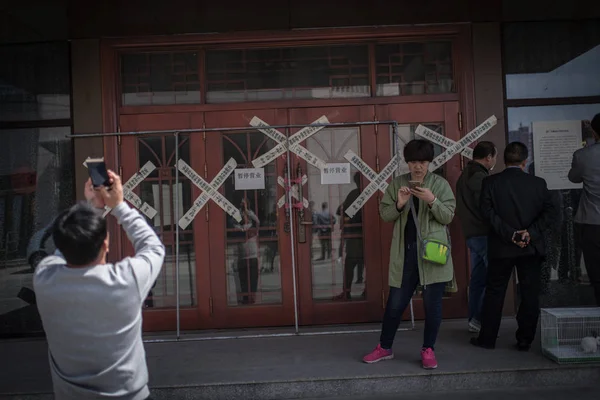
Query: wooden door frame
point(112, 110)
point(259, 314)
point(335, 312)
point(198, 315)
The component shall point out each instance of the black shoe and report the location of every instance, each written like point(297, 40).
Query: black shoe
point(523, 346)
point(477, 343)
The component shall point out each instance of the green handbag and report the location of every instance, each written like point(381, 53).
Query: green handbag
point(432, 250)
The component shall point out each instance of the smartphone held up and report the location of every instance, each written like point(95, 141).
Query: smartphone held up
point(98, 172)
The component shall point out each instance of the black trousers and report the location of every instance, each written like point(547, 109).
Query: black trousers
point(248, 275)
point(499, 272)
point(590, 245)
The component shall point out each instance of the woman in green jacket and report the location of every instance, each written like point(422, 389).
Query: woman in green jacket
point(434, 204)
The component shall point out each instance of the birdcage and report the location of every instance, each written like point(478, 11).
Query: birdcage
point(563, 330)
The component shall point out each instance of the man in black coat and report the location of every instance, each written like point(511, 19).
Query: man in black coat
point(518, 208)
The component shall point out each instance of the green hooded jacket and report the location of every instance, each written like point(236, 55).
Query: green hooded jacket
point(433, 223)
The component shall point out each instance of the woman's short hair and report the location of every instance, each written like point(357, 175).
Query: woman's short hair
point(418, 150)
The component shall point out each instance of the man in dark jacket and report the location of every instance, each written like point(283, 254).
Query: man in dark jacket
point(518, 208)
point(475, 229)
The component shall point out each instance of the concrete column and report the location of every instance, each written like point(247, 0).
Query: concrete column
point(87, 105)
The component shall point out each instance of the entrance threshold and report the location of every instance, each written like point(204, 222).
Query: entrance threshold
point(198, 336)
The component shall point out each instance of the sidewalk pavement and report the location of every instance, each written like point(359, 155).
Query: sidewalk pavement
point(313, 366)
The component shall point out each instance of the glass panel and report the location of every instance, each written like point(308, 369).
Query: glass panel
point(252, 252)
point(406, 133)
point(35, 82)
point(287, 73)
point(36, 183)
point(158, 190)
point(160, 78)
point(552, 59)
point(564, 278)
point(337, 261)
point(414, 68)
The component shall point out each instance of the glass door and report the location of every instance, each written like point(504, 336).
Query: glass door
point(251, 279)
point(150, 161)
point(338, 261)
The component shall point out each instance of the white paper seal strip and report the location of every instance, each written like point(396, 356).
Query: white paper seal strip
point(210, 191)
point(294, 141)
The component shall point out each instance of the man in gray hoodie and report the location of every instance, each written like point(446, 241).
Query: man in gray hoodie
point(91, 310)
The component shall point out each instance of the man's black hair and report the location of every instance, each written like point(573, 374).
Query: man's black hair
point(515, 153)
point(418, 150)
point(78, 234)
point(596, 124)
point(484, 149)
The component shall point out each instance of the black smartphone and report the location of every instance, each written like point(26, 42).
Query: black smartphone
point(98, 173)
point(414, 184)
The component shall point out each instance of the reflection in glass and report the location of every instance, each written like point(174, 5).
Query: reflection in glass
point(35, 82)
point(564, 277)
point(160, 192)
point(160, 78)
point(36, 183)
point(336, 244)
point(306, 72)
point(252, 251)
point(552, 59)
point(414, 68)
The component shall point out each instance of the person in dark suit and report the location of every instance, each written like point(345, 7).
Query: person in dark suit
point(518, 208)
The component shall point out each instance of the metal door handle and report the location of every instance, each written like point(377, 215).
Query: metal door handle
point(306, 223)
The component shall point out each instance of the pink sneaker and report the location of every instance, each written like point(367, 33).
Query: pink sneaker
point(379, 354)
point(428, 359)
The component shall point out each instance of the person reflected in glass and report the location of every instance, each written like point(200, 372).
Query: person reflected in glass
point(325, 220)
point(429, 197)
point(585, 168)
point(248, 254)
point(352, 239)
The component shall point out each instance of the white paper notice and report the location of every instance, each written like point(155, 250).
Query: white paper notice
point(335, 174)
point(553, 146)
point(249, 179)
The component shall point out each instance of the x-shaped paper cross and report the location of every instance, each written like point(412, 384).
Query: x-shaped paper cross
point(131, 184)
point(293, 141)
point(294, 190)
point(442, 140)
point(463, 143)
point(378, 181)
point(210, 191)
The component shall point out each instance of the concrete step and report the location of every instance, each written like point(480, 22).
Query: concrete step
point(312, 366)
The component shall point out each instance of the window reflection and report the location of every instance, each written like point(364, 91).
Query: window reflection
point(552, 59)
point(36, 183)
point(252, 251)
point(564, 277)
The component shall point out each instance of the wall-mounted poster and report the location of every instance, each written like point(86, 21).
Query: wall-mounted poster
point(553, 146)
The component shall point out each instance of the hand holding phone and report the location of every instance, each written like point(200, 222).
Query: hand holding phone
point(98, 173)
point(414, 184)
point(113, 193)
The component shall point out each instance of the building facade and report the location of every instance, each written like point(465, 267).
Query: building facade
point(206, 75)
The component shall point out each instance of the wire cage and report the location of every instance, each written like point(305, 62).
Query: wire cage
point(564, 329)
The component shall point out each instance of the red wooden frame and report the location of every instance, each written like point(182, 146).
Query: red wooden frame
point(199, 115)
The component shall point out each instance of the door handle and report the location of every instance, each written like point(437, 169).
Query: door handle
point(306, 223)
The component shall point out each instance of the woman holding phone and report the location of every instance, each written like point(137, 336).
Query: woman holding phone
point(429, 198)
